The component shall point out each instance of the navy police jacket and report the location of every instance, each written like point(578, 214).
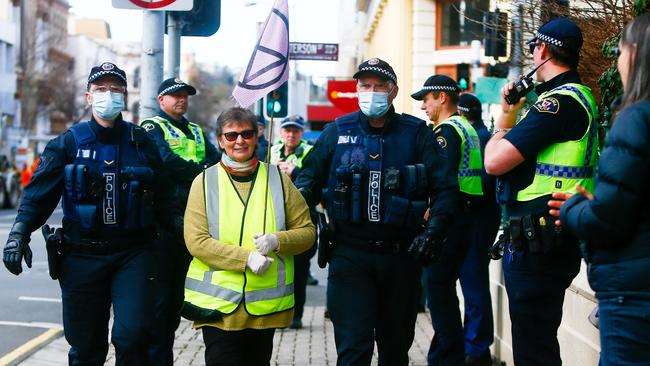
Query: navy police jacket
point(106, 178)
point(616, 224)
point(379, 181)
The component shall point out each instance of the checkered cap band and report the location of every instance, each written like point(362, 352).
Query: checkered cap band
point(440, 88)
point(564, 171)
point(172, 88)
point(463, 109)
point(549, 39)
point(99, 74)
point(379, 69)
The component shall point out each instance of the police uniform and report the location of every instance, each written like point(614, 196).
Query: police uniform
point(557, 138)
point(460, 147)
point(484, 216)
point(379, 184)
point(302, 260)
point(186, 152)
point(114, 188)
point(262, 142)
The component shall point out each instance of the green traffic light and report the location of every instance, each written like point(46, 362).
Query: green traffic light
point(462, 83)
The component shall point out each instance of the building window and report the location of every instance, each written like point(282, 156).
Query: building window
point(460, 22)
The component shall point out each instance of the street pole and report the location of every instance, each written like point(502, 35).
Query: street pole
point(517, 57)
point(174, 32)
point(151, 72)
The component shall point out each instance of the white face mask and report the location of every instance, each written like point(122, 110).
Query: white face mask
point(108, 105)
point(373, 104)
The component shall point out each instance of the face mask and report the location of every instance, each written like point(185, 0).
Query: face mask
point(108, 105)
point(373, 104)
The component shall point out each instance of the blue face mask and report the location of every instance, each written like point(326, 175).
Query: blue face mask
point(108, 105)
point(373, 104)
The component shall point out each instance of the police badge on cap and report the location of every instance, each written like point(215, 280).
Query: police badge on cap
point(105, 69)
point(172, 85)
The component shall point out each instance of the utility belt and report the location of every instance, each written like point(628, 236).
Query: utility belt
point(402, 209)
point(104, 247)
point(538, 233)
point(375, 246)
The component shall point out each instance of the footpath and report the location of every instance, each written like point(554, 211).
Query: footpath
point(311, 345)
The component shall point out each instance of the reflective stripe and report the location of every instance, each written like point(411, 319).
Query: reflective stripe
point(470, 172)
point(281, 290)
point(212, 205)
point(275, 180)
point(564, 171)
point(169, 128)
point(197, 134)
point(465, 161)
point(206, 287)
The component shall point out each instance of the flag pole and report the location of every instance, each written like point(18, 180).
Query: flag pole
point(268, 158)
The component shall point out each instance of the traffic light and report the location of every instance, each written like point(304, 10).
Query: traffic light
point(202, 21)
point(462, 76)
point(276, 103)
point(494, 28)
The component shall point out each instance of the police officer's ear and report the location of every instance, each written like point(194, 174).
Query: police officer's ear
point(393, 94)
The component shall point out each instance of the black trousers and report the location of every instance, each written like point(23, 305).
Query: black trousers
point(301, 270)
point(173, 259)
point(372, 297)
point(248, 347)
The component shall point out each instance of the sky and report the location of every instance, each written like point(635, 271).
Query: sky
point(232, 45)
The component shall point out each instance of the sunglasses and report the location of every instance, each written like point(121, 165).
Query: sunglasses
point(532, 46)
point(614, 51)
point(246, 134)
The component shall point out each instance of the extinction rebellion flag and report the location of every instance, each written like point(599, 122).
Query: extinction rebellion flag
point(268, 67)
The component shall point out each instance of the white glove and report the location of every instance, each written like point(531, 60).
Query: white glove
point(265, 243)
point(258, 263)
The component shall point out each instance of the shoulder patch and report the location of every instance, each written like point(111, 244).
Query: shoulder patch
point(441, 141)
point(148, 126)
point(548, 105)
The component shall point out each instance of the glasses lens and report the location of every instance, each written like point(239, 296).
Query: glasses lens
point(232, 136)
point(248, 134)
point(531, 47)
point(615, 51)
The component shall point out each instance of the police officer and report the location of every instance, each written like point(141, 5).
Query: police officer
point(113, 185)
point(262, 142)
point(552, 148)
point(459, 144)
point(186, 151)
point(289, 155)
point(378, 167)
point(482, 227)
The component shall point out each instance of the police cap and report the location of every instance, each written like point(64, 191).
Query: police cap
point(293, 121)
point(437, 83)
point(468, 103)
point(376, 67)
point(560, 32)
point(172, 85)
point(105, 69)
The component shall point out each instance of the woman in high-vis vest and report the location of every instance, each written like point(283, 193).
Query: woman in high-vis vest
point(614, 221)
point(244, 222)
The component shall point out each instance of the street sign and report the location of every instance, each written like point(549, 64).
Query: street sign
point(177, 5)
point(313, 51)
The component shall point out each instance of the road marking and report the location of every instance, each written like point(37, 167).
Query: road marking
point(32, 324)
point(30, 347)
point(44, 299)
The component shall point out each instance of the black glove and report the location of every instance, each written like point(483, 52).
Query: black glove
point(16, 248)
point(427, 247)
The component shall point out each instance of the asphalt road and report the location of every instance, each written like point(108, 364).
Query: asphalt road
point(30, 304)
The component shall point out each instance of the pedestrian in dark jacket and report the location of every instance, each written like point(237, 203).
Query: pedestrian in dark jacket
point(615, 220)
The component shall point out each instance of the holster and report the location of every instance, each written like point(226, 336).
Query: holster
point(325, 236)
point(54, 247)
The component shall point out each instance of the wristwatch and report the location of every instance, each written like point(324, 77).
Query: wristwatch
point(497, 130)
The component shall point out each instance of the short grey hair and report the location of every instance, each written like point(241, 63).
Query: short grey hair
point(236, 115)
